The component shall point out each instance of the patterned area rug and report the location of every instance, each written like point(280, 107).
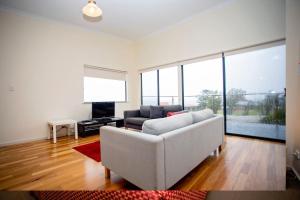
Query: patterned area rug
point(125, 194)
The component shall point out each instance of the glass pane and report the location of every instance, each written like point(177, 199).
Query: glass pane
point(149, 86)
point(203, 85)
point(101, 90)
point(255, 83)
point(168, 86)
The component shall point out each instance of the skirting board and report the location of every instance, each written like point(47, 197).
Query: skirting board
point(22, 141)
point(25, 141)
point(29, 140)
point(295, 171)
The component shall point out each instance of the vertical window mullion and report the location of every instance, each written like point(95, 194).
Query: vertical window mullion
point(182, 85)
point(141, 79)
point(224, 92)
point(158, 93)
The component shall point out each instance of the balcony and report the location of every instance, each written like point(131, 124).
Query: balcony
point(251, 114)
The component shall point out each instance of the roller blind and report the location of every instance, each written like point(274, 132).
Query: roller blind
point(105, 73)
point(103, 84)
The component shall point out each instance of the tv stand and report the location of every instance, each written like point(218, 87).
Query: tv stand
point(91, 127)
point(103, 118)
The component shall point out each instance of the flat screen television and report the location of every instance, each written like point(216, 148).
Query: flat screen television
point(103, 109)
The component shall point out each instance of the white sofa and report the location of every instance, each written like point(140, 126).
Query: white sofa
point(157, 162)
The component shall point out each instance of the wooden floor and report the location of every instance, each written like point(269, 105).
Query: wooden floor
point(244, 164)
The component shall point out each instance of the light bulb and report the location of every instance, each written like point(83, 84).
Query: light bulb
point(91, 9)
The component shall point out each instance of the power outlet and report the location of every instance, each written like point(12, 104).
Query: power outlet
point(297, 154)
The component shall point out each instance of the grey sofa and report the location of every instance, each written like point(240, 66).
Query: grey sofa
point(136, 118)
point(170, 149)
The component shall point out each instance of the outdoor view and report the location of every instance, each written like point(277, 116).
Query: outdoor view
point(149, 89)
point(168, 86)
point(255, 83)
point(203, 85)
point(255, 90)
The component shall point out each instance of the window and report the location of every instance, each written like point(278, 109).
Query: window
point(149, 88)
point(253, 79)
point(102, 85)
point(255, 96)
point(168, 86)
point(203, 85)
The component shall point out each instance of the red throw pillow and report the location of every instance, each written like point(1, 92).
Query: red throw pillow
point(169, 114)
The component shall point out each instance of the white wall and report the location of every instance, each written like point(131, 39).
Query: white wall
point(52, 54)
point(231, 25)
point(42, 62)
point(293, 79)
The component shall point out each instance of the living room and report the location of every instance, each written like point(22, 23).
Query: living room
point(216, 54)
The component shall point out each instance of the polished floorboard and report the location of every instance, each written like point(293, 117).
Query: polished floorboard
point(243, 164)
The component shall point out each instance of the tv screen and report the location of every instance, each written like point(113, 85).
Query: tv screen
point(103, 109)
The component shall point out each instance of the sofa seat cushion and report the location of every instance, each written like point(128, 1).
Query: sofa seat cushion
point(202, 115)
point(164, 125)
point(136, 120)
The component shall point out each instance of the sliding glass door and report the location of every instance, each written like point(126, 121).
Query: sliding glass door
point(203, 85)
point(255, 93)
point(254, 83)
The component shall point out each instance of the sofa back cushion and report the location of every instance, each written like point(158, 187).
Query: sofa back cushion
point(163, 125)
point(145, 111)
point(156, 112)
point(172, 108)
point(202, 115)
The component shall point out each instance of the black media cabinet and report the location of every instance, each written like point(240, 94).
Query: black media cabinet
point(91, 127)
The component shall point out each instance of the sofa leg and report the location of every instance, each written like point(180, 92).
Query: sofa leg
point(107, 172)
point(220, 148)
point(217, 152)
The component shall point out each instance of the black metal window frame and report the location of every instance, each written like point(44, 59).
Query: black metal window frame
point(222, 55)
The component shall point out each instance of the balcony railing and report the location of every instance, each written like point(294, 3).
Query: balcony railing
point(254, 114)
point(266, 108)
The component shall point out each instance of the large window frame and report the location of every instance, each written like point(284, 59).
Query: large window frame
point(222, 55)
point(158, 89)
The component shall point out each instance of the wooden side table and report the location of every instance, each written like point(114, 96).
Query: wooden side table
point(67, 122)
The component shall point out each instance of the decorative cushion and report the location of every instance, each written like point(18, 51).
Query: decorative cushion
point(156, 112)
point(202, 115)
point(145, 111)
point(136, 120)
point(163, 125)
point(172, 108)
point(169, 114)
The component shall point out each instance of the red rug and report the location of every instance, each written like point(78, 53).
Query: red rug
point(91, 150)
point(122, 194)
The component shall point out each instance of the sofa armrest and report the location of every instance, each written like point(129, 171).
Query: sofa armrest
point(131, 113)
point(135, 156)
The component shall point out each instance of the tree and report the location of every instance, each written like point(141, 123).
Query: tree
point(233, 97)
point(273, 109)
point(210, 99)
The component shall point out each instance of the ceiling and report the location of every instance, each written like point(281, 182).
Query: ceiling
point(131, 19)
